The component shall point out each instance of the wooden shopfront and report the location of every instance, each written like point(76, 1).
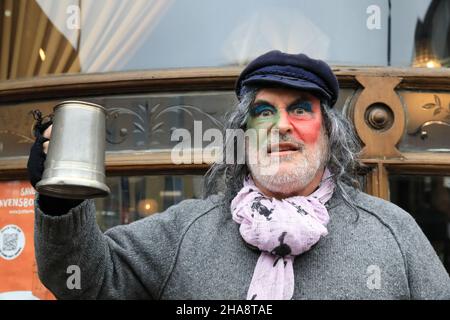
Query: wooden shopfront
point(396, 94)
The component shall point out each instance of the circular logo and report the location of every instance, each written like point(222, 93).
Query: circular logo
point(12, 242)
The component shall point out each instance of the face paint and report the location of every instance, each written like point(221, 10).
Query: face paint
point(263, 116)
point(303, 116)
point(296, 115)
point(306, 124)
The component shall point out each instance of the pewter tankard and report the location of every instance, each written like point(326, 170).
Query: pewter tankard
point(75, 164)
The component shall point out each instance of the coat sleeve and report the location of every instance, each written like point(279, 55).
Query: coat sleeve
point(77, 261)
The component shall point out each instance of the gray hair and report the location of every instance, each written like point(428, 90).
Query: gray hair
point(342, 161)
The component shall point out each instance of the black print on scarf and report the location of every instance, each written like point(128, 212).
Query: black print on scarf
point(260, 194)
point(282, 250)
point(299, 209)
point(261, 209)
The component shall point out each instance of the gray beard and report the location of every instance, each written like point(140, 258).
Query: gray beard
point(301, 173)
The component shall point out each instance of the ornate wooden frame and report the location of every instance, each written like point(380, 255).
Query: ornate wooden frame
point(374, 85)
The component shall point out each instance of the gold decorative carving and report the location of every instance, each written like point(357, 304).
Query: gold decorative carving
point(378, 116)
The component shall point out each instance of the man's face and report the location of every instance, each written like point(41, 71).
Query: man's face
point(295, 118)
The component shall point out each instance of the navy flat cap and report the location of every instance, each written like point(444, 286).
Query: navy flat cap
point(298, 71)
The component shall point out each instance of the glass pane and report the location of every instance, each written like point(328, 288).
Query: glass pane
point(70, 36)
point(135, 122)
point(427, 199)
point(136, 197)
point(428, 121)
point(424, 26)
point(363, 178)
point(146, 122)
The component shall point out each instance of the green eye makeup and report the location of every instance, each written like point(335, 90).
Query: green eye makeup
point(264, 114)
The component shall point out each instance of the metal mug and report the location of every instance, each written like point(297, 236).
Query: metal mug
point(75, 164)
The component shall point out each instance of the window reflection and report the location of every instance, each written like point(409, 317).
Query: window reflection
point(428, 121)
point(432, 36)
point(31, 43)
point(427, 199)
point(136, 197)
point(70, 36)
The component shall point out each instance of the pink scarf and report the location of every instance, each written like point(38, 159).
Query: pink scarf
point(281, 229)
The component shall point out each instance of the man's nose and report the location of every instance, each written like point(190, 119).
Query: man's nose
point(284, 125)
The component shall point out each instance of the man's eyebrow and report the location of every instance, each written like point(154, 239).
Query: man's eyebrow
point(259, 102)
point(298, 100)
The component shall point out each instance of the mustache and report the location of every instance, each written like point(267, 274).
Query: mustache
point(274, 142)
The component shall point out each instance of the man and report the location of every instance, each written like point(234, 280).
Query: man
point(303, 232)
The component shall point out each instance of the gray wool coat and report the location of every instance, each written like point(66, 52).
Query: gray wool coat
point(194, 250)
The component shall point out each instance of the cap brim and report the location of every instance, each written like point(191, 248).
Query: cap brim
point(276, 80)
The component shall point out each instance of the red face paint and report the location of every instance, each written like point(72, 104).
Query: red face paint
point(304, 128)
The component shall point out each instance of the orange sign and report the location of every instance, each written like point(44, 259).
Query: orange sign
point(18, 276)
